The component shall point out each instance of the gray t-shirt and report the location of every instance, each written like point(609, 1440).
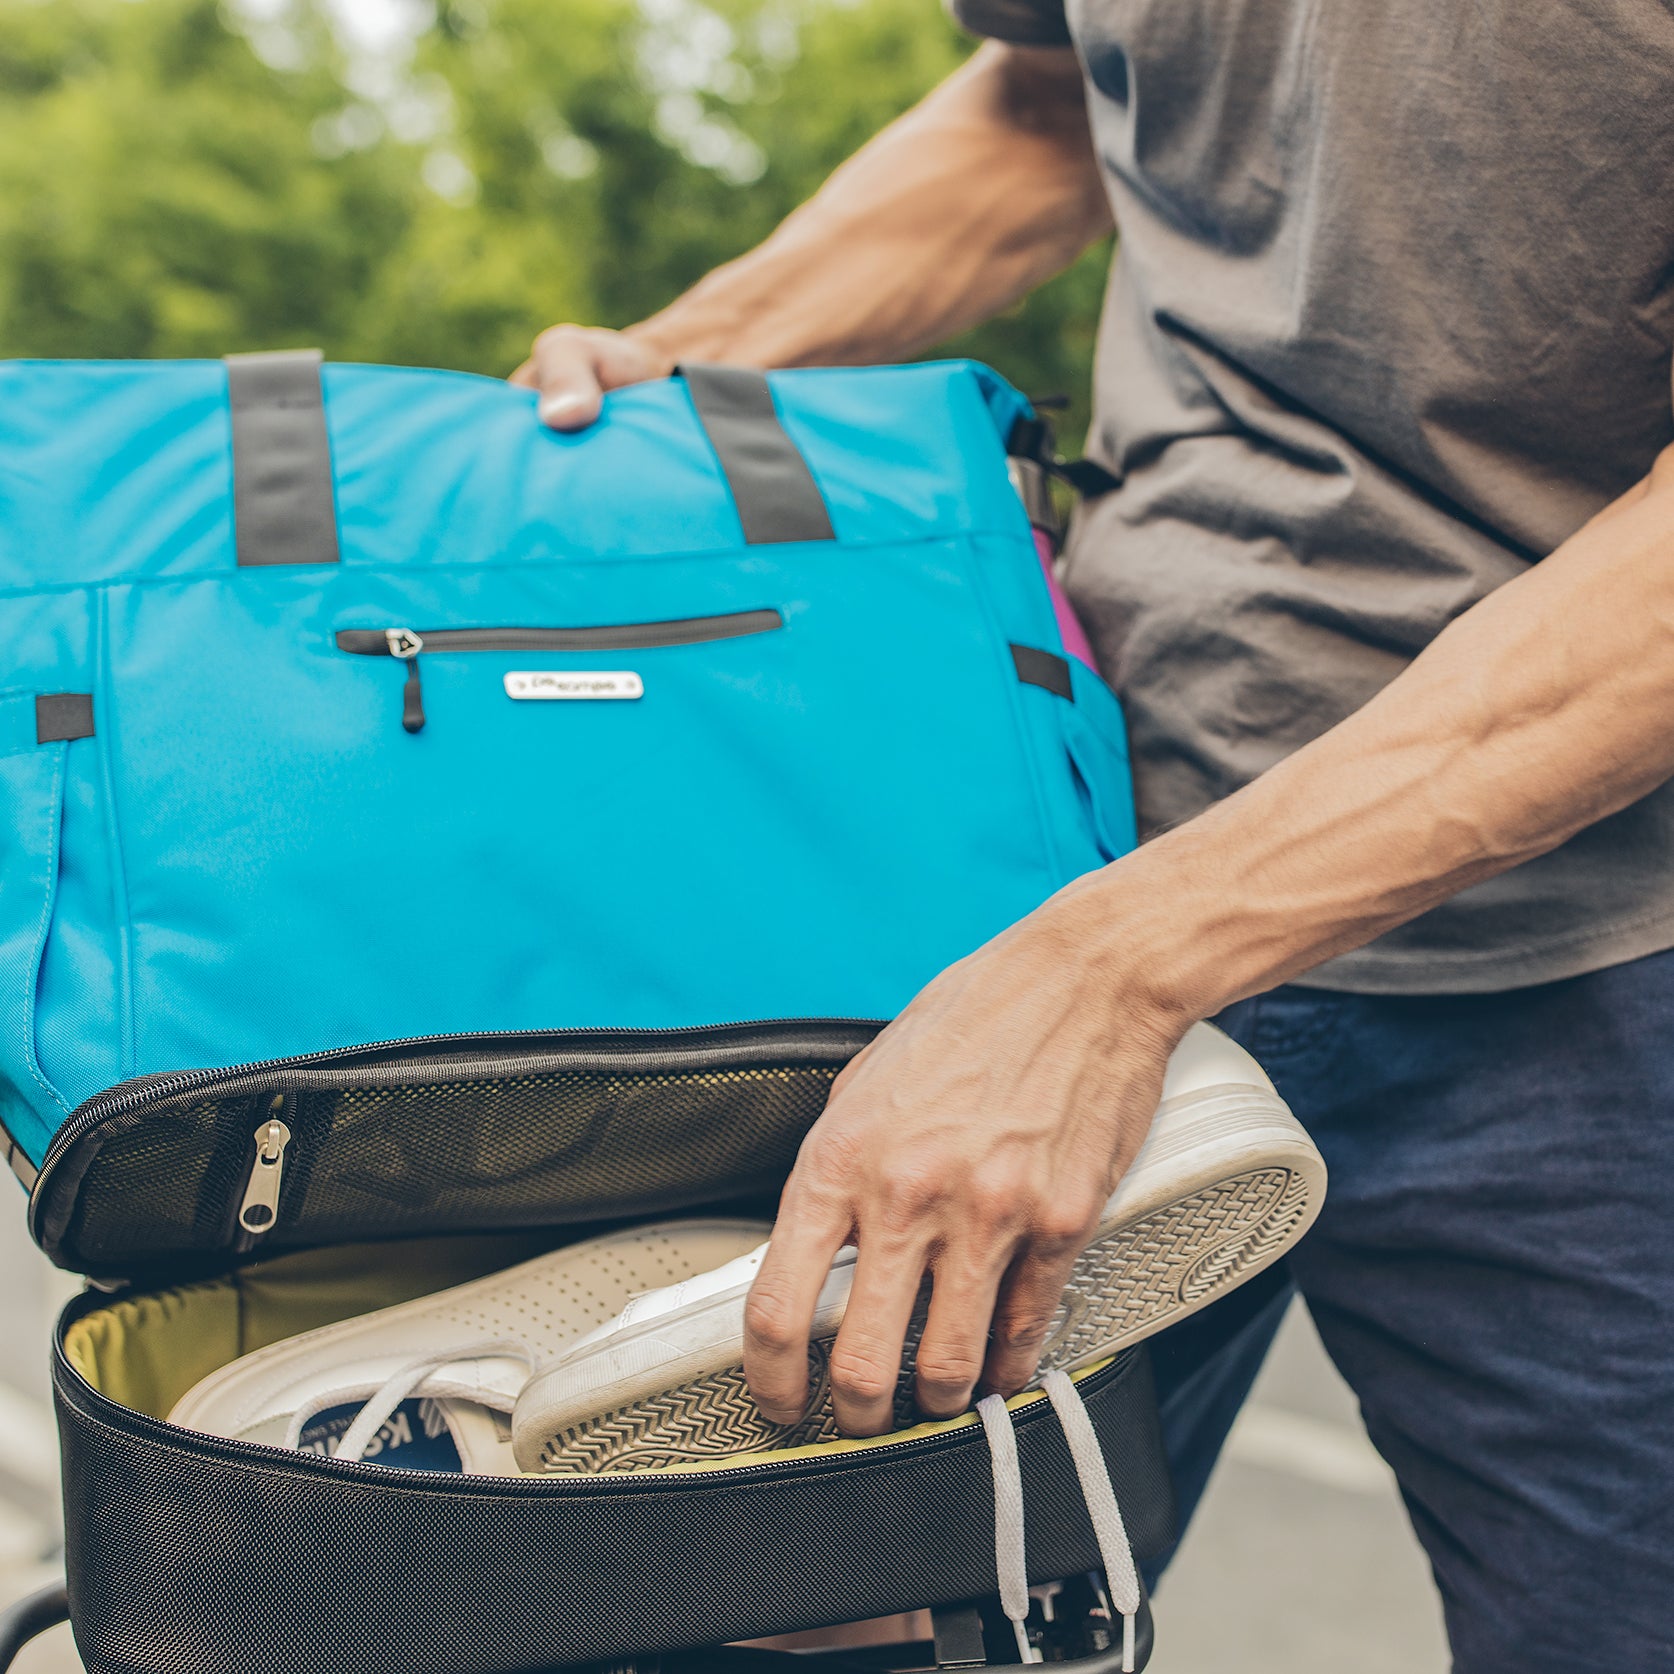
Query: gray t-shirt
point(1392, 315)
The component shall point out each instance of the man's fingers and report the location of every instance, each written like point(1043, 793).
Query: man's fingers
point(780, 1312)
point(572, 366)
point(952, 1351)
point(866, 1358)
point(1029, 1298)
point(566, 373)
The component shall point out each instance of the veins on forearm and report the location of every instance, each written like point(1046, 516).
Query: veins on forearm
point(962, 206)
point(1541, 710)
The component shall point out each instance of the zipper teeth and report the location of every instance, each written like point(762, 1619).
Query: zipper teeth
point(628, 636)
point(617, 636)
point(622, 1482)
point(122, 1101)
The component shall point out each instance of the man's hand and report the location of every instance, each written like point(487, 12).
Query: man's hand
point(975, 1142)
point(975, 1139)
point(572, 366)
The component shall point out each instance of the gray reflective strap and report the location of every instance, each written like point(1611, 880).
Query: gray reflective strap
point(775, 492)
point(284, 511)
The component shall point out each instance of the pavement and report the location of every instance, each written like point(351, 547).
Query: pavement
point(31, 1293)
point(1300, 1560)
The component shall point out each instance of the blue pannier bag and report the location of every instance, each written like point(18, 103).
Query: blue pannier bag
point(413, 820)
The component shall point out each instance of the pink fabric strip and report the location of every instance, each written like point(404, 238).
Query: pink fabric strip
point(1070, 631)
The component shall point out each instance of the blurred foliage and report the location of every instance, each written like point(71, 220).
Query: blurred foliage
point(177, 179)
point(161, 191)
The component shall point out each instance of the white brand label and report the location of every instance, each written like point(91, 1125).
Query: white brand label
point(550, 683)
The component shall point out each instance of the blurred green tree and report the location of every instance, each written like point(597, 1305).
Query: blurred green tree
point(177, 180)
point(162, 192)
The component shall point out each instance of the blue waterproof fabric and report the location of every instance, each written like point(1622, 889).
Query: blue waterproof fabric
point(251, 859)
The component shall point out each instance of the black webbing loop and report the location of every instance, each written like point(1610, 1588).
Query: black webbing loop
point(284, 510)
point(1033, 439)
point(772, 487)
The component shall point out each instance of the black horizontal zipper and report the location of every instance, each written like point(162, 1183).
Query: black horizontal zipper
point(405, 644)
point(613, 636)
point(497, 1053)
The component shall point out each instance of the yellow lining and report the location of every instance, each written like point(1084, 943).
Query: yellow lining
point(147, 1351)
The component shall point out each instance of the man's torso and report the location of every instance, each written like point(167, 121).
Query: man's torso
point(1393, 314)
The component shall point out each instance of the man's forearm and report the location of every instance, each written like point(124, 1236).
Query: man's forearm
point(979, 193)
point(1544, 708)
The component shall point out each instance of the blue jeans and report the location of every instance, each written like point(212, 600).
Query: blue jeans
point(1493, 1273)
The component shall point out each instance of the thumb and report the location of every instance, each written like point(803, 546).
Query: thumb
point(572, 367)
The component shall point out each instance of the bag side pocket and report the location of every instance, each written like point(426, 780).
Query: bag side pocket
point(31, 820)
point(1096, 738)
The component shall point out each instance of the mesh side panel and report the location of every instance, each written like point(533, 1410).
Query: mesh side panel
point(499, 1153)
point(185, 1556)
point(443, 1157)
point(172, 1181)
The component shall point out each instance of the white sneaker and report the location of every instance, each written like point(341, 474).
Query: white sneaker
point(427, 1384)
point(1226, 1182)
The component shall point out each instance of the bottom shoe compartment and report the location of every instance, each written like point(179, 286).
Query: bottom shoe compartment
point(187, 1553)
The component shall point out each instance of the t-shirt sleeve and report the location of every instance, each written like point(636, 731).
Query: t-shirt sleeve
point(1021, 22)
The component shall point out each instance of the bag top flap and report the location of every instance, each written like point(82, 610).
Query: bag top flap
point(118, 470)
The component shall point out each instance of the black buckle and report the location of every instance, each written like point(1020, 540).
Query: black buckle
point(1033, 449)
point(1071, 1625)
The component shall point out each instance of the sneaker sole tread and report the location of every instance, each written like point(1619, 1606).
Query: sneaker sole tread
point(1132, 1281)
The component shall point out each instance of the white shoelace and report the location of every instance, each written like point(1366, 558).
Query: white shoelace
point(404, 1381)
point(1010, 1551)
point(1010, 1554)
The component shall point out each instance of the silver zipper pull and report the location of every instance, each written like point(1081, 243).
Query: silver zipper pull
point(261, 1196)
point(406, 645)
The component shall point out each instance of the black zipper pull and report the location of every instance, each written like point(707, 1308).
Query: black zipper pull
point(406, 645)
